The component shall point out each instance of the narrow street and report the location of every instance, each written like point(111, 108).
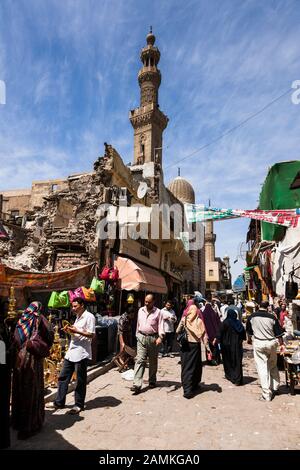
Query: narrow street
point(222, 416)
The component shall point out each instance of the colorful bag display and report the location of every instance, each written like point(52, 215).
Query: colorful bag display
point(89, 294)
point(97, 286)
point(59, 299)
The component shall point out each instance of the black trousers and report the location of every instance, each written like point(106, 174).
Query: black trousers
point(191, 367)
point(168, 343)
point(64, 380)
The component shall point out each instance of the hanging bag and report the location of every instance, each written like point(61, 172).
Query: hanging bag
point(63, 299)
point(53, 300)
point(291, 289)
point(97, 286)
point(114, 274)
point(89, 294)
point(59, 299)
point(105, 273)
point(76, 293)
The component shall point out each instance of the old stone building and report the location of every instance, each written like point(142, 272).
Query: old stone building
point(195, 278)
point(60, 217)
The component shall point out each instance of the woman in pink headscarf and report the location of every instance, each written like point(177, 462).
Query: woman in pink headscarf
point(191, 363)
point(189, 304)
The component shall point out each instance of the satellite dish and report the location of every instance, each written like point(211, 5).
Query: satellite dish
point(142, 190)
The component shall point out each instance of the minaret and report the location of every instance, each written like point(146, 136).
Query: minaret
point(210, 240)
point(147, 120)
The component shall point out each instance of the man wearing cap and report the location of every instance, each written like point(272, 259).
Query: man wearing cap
point(149, 334)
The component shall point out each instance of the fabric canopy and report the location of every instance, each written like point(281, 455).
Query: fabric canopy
point(45, 281)
point(135, 276)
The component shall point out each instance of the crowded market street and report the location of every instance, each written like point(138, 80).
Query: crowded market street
point(222, 416)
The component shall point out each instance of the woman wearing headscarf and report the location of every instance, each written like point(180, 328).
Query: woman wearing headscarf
point(212, 324)
point(231, 336)
point(189, 304)
point(28, 407)
point(191, 364)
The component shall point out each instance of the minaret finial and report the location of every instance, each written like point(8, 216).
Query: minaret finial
point(150, 37)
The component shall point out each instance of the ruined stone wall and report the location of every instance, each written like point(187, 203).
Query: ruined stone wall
point(62, 233)
point(70, 260)
point(18, 199)
point(40, 189)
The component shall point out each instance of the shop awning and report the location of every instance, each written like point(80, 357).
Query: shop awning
point(135, 276)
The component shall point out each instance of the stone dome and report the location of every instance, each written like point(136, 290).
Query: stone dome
point(183, 190)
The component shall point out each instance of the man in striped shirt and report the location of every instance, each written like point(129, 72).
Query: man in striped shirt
point(149, 334)
point(266, 332)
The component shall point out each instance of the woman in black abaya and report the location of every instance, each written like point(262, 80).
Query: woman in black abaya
point(231, 337)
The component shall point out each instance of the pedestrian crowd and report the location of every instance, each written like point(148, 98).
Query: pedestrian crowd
point(211, 323)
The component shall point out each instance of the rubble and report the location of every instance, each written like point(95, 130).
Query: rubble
point(61, 234)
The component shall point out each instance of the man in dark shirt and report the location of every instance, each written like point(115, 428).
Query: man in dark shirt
point(266, 332)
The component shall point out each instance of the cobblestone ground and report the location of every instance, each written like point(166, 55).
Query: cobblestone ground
point(222, 416)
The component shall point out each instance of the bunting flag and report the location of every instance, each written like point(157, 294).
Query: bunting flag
point(202, 213)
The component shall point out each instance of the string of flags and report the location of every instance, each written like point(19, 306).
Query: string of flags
point(202, 213)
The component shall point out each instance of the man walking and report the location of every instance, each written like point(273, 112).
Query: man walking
point(76, 357)
point(265, 329)
point(169, 317)
point(149, 334)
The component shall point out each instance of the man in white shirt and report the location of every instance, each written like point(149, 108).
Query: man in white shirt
point(77, 356)
point(169, 317)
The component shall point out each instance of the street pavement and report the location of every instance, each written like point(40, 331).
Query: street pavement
point(221, 416)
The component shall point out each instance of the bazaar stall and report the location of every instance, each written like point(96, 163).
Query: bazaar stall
point(56, 291)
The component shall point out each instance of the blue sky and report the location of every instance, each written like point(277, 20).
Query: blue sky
point(71, 67)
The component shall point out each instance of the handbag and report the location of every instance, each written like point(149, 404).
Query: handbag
point(59, 299)
point(76, 293)
point(37, 346)
point(89, 294)
point(97, 286)
point(113, 274)
point(109, 274)
point(182, 336)
point(291, 289)
point(105, 273)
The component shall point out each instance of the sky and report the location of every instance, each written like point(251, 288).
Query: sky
point(70, 71)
